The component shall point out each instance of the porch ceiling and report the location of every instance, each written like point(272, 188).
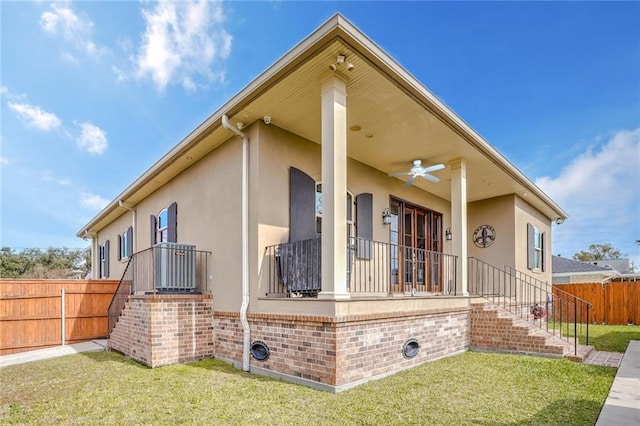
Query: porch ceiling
point(396, 126)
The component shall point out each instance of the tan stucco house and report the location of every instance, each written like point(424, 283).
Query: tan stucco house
point(310, 261)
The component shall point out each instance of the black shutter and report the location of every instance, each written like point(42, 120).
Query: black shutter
point(119, 247)
point(531, 255)
point(364, 225)
point(302, 206)
point(543, 251)
point(106, 259)
point(153, 230)
point(100, 263)
point(130, 241)
point(172, 223)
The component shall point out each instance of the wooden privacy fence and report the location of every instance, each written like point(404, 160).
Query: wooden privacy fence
point(35, 314)
point(612, 302)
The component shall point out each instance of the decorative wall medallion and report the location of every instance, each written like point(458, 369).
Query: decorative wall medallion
point(484, 236)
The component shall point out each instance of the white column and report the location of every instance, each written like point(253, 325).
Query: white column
point(334, 189)
point(459, 222)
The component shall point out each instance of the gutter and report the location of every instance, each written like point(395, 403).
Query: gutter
point(245, 240)
point(90, 233)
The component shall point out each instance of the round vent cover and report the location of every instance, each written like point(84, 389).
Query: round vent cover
point(260, 351)
point(410, 348)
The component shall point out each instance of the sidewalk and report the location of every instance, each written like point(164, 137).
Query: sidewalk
point(622, 407)
point(40, 354)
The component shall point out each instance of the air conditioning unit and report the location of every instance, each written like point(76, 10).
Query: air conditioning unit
point(174, 267)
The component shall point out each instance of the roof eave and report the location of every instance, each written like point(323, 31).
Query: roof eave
point(335, 27)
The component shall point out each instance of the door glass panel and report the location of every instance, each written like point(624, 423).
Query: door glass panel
point(415, 262)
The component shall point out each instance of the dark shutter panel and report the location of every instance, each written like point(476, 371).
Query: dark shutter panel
point(106, 259)
point(119, 247)
point(172, 223)
point(531, 252)
point(302, 206)
point(364, 225)
point(130, 241)
point(153, 230)
point(100, 271)
point(543, 251)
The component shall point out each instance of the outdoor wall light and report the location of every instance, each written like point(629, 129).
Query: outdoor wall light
point(448, 235)
point(386, 217)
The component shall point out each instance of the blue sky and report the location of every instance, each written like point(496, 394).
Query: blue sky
point(93, 93)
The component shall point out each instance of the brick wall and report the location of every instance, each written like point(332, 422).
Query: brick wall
point(160, 330)
point(370, 347)
point(343, 350)
point(495, 330)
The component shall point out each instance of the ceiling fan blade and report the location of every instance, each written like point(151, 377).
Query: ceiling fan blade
point(433, 168)
point(400, 174)
point(431, 178)
point(410, 181)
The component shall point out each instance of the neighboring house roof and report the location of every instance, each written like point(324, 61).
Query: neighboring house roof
point(561, 265)
point(618, 265)
point(400, 119)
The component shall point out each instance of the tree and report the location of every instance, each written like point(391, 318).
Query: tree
point(598, 252)
point(37, 263)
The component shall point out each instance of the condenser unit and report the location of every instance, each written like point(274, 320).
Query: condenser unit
point(174, 267)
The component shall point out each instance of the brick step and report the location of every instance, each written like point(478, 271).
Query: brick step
point(496, 328)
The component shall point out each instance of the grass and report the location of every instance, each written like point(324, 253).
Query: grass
point(609, 338)
point(612, 338)
point(471, 388)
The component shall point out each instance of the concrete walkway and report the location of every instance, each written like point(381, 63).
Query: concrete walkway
point(40, 354)
point(622, 407)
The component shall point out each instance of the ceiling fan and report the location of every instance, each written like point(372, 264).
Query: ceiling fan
point(418, 170)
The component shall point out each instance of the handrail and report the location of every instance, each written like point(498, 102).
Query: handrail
point(374, 269)
point(117, 301)
point(535, 301)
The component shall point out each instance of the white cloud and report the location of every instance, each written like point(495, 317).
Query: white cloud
point(76, 29)
point(182, 40)
point(600, 189)
point(34, 116)
point(4, 161)
point(59, 181)
point(93, 201)
point(92, 139)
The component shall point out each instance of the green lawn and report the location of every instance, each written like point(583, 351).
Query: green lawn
point(472, 388)
point(612, 338)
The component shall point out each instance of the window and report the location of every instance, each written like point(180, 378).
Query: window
point(125, 244)
point(535, 248)
point(350, 214)
point(104, 260)
point(164, 227)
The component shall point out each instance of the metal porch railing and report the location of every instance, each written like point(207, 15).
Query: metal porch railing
point(164, 268)
point(555, 311)
point(373, 269)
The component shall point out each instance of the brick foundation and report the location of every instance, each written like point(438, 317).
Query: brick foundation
point(339, 352)
point(160, 330)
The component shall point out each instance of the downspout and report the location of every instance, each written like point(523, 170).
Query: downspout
point(133, 224)
point(94, 249)
point(245, 240)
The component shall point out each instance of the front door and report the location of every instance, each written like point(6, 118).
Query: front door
point(416, 248)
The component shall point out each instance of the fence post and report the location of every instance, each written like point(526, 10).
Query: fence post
point(62, 316)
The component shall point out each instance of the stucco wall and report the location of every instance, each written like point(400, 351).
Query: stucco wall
point(209, 206)
point(498, 213)
point(526, 213)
